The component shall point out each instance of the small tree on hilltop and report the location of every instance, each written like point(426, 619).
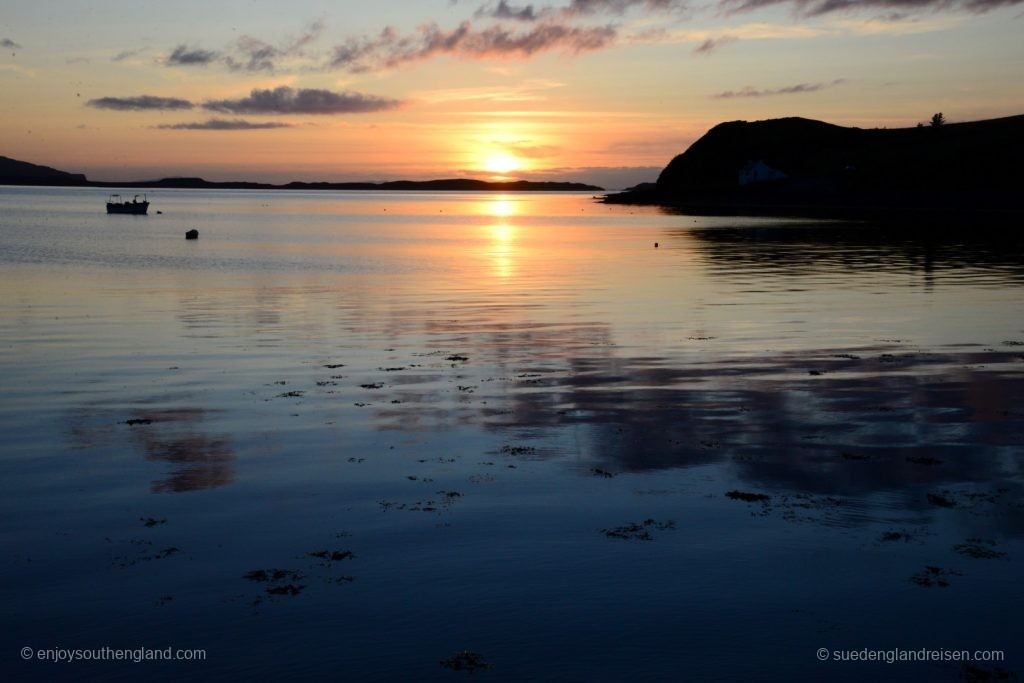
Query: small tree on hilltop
point(938, 120)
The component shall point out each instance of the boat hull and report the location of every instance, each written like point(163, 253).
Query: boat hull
point(139, 208)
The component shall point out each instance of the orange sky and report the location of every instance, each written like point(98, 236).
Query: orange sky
point(576, 90)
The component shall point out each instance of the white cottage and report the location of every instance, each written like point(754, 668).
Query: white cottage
point(759, 172)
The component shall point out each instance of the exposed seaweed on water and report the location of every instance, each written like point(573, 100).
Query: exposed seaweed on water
point(979, 549)
point(854, 456)
point(933, 576)
point(467, 660)
point(748, 497)
point(638, 531)
point(518, 450)
point(332, 555)
point(128, 561)
point(940, 500)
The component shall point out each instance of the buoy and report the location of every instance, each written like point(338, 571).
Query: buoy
point(192, 234)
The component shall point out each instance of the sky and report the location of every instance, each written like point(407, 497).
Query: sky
point(601, 91)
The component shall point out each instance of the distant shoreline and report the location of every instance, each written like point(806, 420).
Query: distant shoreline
point(443, 185)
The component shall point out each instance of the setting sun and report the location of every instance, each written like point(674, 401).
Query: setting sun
point(502, 164)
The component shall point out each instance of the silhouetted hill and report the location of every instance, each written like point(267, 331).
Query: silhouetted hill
point(14, 172)
point(827, 169)
point(17, 172)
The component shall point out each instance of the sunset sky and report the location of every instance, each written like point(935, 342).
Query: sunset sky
point(605, 91)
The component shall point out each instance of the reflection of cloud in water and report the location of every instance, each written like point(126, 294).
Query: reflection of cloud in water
point(868, 423)
point(173, 435)
point(201, 461)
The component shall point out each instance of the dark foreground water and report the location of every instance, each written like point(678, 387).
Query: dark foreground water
point(350, 436)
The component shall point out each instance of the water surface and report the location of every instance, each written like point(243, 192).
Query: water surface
point(522, 420)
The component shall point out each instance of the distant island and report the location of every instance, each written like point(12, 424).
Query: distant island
point(798, 166)
point(14, 172)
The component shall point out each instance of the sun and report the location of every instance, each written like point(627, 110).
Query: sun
point(502, 164)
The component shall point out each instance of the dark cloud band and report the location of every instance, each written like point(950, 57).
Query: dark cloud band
point(797, 89)
point(223, 124)
point(191, 56)
point(140, 103)
point(285, 100)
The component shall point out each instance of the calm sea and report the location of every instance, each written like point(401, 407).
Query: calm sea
point(349, 436)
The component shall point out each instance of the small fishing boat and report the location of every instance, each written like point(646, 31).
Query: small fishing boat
point(116, 205)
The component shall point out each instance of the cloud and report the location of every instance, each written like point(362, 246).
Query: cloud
point(258, 55)
point(503, 10)
point(184, 55)
point(286, 100)
point(799, 89)
point(128, 54)
point(895, 27)
point(589, 7)
point(390, 49)
point(576, 8)
point(712, 44)
point(307, 37)
point(249, 53)
point(814, 8)
point(140, 103)
point(9, 44)
point(223, 124)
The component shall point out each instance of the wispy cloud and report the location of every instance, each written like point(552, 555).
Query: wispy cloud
point(223, 124)
point(712, 44)
point(286, 100)
point(9, 44)
point(893, 26)
point(814, 8)
point(127, 54)
point(520, 29)
point(798, 89)
point(523, 92)
point(503, 9)
point(183, 55)
point(140, 103)
point(391, 49)
point(259, 55)
point(248, 53)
